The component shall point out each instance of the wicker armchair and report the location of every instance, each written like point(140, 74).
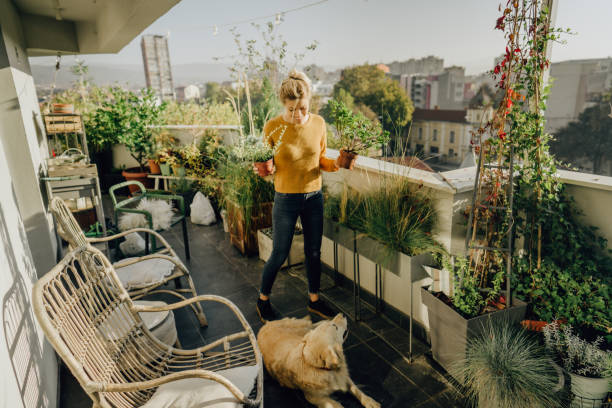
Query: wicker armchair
point(69, 229)
point(127, 206)
point(121, 364)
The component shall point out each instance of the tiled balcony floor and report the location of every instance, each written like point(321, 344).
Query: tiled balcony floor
point(381, 372)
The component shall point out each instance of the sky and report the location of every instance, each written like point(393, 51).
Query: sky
point(353, 32)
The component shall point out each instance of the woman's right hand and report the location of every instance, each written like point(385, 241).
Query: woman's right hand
point(257, 171)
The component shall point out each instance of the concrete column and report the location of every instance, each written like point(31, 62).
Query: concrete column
point(23, 138)
point(28, 247)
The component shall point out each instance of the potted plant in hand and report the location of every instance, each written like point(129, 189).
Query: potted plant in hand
point(262, 153)
point(589, 367)
point(356, 133)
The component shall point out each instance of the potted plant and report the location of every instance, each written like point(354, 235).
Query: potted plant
point(356, 133)
point(454, 320)
point(248, 199)
point(262, 154)
point(154, 163)
point(589, 367)
point(505, 367)
point(132, 116)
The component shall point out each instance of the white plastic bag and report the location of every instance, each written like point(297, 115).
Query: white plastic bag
point(134, 244)
point(202, 211)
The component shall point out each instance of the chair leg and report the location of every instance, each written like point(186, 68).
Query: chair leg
point(186, 239)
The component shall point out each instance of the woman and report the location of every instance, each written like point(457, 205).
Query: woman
point(297, 182)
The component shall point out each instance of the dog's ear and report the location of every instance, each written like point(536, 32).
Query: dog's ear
point(319, 353)
point(330, 358)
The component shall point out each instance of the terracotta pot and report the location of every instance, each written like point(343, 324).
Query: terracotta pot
point(265, 168)
point(347, 159)
point(136, 174)
point(538, 325)
point(62, 108)
point(154, 167)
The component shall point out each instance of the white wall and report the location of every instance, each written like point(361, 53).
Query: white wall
point(23, 348)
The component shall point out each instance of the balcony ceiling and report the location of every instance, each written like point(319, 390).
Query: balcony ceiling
point(86, 26)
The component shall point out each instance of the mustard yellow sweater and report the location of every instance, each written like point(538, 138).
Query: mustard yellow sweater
point(301, 154)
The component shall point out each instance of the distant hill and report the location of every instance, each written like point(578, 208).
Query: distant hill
point(130, 75)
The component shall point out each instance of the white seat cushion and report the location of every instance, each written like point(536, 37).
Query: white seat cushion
point(143, 273)
point(160, 324)
point(201, 393)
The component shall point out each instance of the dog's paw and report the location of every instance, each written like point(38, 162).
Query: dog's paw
point(368, 402)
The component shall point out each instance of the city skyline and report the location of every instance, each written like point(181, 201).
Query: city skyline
point(352, 35)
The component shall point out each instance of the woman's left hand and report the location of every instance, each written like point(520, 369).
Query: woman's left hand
point(337, 163)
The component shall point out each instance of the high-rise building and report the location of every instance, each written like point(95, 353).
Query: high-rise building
point(576, 85)
point(156, 60)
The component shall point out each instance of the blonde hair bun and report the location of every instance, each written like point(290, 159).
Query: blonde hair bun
point(295, 86)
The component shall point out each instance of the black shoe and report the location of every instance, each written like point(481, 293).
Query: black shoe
point(320, 308)
point(265, 311)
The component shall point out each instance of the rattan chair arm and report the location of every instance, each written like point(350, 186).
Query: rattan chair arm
point(157, 235)
point(200, 298)
point(183, 303)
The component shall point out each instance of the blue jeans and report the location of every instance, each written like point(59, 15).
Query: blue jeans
point(287, 207)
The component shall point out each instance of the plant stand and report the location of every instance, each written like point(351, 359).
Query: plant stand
point(450, 331)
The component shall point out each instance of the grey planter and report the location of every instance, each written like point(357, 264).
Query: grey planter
point(391, 260)
point(449, 331)
point(339, 233)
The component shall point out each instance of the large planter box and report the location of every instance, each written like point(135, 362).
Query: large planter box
point(339, 233)
point(389, 259)
point(449, 331)
point(243, 239)
point(296, 254)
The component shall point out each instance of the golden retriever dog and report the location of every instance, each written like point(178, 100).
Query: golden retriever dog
point(306, 356)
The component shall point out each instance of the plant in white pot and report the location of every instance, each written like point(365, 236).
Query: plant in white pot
point(589, 367)
point(356, 133)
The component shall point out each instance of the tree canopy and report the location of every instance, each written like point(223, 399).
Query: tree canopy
point(588, 137)
point(369, 86)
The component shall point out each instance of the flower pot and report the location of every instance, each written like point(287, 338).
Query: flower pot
point(66, 108)
point(265, 243)
point(264, 168)
point(179, 171)
point(588, 392)
point(347, 159)
point(136, 174)
point(165, 169)
point(224, 218)
point(243, 238)
point(154, 167)
point(450, 332)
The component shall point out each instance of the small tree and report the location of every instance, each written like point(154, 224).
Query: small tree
point(588, 137)
point(371, 87)
point(128, 118)
point(356, 132)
